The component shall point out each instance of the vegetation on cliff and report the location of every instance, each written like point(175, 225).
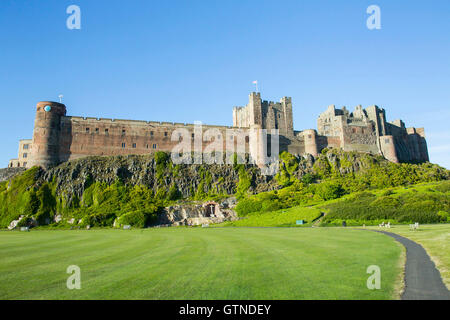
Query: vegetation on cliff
point(334, 174)
point(101, 191)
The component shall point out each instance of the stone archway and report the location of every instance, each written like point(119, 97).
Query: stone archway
point(210, 209)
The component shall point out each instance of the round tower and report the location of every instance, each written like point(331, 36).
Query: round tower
point(311, 142)
point(46, 134)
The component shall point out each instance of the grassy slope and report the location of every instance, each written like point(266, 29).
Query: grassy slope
point(409, 194)
point(195, 263)
point(279, 218)
point(436, 241)
point(311, 211)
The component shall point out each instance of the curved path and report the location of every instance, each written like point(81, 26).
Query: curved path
point(422, 280)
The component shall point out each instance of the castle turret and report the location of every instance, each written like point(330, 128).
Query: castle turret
point(311, 142)
point(288, 127)
point(46, 134)
point(254, 107)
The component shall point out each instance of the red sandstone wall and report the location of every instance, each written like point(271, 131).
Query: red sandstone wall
point(388, 149)
point(86, 137)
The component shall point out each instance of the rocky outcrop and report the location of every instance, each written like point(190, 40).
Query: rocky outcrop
point(29, 222)
point(192, 214)
point(73, 177)
point(9, 173)
point(14, 223)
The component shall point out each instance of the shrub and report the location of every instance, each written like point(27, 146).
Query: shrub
point(329, 190)
point(244, 182)
point(445, 216)
point(308, 178)
point(136, 219)
point(249, 205)
point(174, 193)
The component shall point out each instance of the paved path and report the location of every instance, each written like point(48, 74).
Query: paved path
point(422, 280)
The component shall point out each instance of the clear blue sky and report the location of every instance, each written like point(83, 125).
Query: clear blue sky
point(184, 61)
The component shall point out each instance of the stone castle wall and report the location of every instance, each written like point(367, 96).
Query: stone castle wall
point(366, 130)
point(58, 138)
point(82, 137)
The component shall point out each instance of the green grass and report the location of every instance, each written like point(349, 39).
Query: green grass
point(436, 241)
point(198, 263)
point(279, 218)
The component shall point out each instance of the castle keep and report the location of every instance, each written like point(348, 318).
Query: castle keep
point(58, 137)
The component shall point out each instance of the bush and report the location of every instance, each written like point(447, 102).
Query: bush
point(308, 178)
point(249, 205)
point(174, 193)
point(329, 190)
point(136, 219)
point(244, 182)
point(445, 216)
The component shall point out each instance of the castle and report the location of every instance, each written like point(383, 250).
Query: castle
point(58, 138)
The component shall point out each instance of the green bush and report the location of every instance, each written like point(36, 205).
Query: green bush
point(136, 219)
point(249, 205)
point(308, 178)
point(244, 182)
point(445, 216)
point(329, 190)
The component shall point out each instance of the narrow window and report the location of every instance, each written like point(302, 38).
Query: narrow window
point(96, 130)
point(106, 131)
point(87, 130)
point(154, 146)
point(165, 134)
point(123, 132)
point(25, 146)
point(24, 164)
point(134, 145)
point(25, 155)
point(123, 145)
point(151, 133)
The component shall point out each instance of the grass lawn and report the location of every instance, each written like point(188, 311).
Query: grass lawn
point(435, 238)
point(198, 263)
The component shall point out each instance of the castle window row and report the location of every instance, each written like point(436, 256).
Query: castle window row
point(134, 145)
point(89, 130)
point(97, 130)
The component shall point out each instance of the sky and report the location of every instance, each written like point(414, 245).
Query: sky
point(186, 61)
